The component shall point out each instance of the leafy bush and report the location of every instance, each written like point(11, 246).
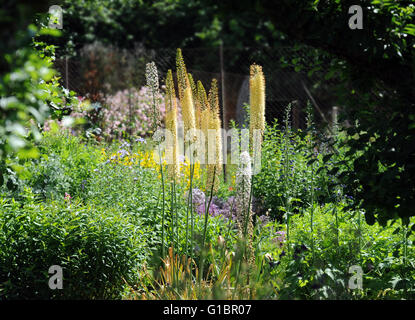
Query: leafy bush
point(25, 87)
point(318, 265)
point(288, 180)
point(30, 92)
point(134, 191)
point(65, 166)
point(97, 249)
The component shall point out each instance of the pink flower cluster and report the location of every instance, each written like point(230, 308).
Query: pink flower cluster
point(130, 111)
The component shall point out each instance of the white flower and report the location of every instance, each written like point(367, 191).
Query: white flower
point(243, 185)
point(152, 77)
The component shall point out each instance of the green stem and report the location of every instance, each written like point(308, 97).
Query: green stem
point(205, 226)
point(175, 209)
point(360, 236)
point(404, 244)
point(405, 250)
point(190, 207)
point(337, 224)
point(163, 204)
point(155, 120)
point(207, 208)
point(192, 219)
point(312, 212)
point(173, 226)
point(287, 194)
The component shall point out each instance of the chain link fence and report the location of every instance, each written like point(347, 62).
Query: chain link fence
point(99, 71)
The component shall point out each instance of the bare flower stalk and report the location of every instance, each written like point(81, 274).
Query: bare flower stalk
point(243, 198)
point(153, 85)
point(189, 122)
point(310, 127)
point(172, 153)
point(244, 215)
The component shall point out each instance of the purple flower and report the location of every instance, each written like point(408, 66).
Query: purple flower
point(123, 153)
point(264, 219)
point(280, 239)
point(198, 197)
point(213, 210)
point(218, 207)
point(125, 145)
point(141, 140)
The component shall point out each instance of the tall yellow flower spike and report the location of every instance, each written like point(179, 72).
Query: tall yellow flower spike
point(185, 94)
point(192, 85)
point(215, 124)
point(204, 116)
point(196, 102)
point(172, 151)
point(182, 78)
point(188, 112)
point(257, 100)
point(205, 110)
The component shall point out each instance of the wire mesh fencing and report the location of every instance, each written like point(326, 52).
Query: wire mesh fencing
point(99, 71)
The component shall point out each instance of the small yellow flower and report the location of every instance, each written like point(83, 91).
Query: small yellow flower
point(186, 171)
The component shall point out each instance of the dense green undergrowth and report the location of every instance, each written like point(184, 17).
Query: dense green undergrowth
point(94, 209)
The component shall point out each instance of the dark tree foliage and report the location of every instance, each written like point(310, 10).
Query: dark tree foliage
point(15, 16)
point(159, 24)
point(27, 84)
point(377, 66)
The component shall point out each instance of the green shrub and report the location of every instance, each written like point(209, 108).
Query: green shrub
point(286, 178)
point(65, 166)
point(96, 248)
point(342, 239)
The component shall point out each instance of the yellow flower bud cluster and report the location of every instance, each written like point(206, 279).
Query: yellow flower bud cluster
point(185, 94)
point(257, 103)
point(201, 112)
point(172, 151)
point(215, 133)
